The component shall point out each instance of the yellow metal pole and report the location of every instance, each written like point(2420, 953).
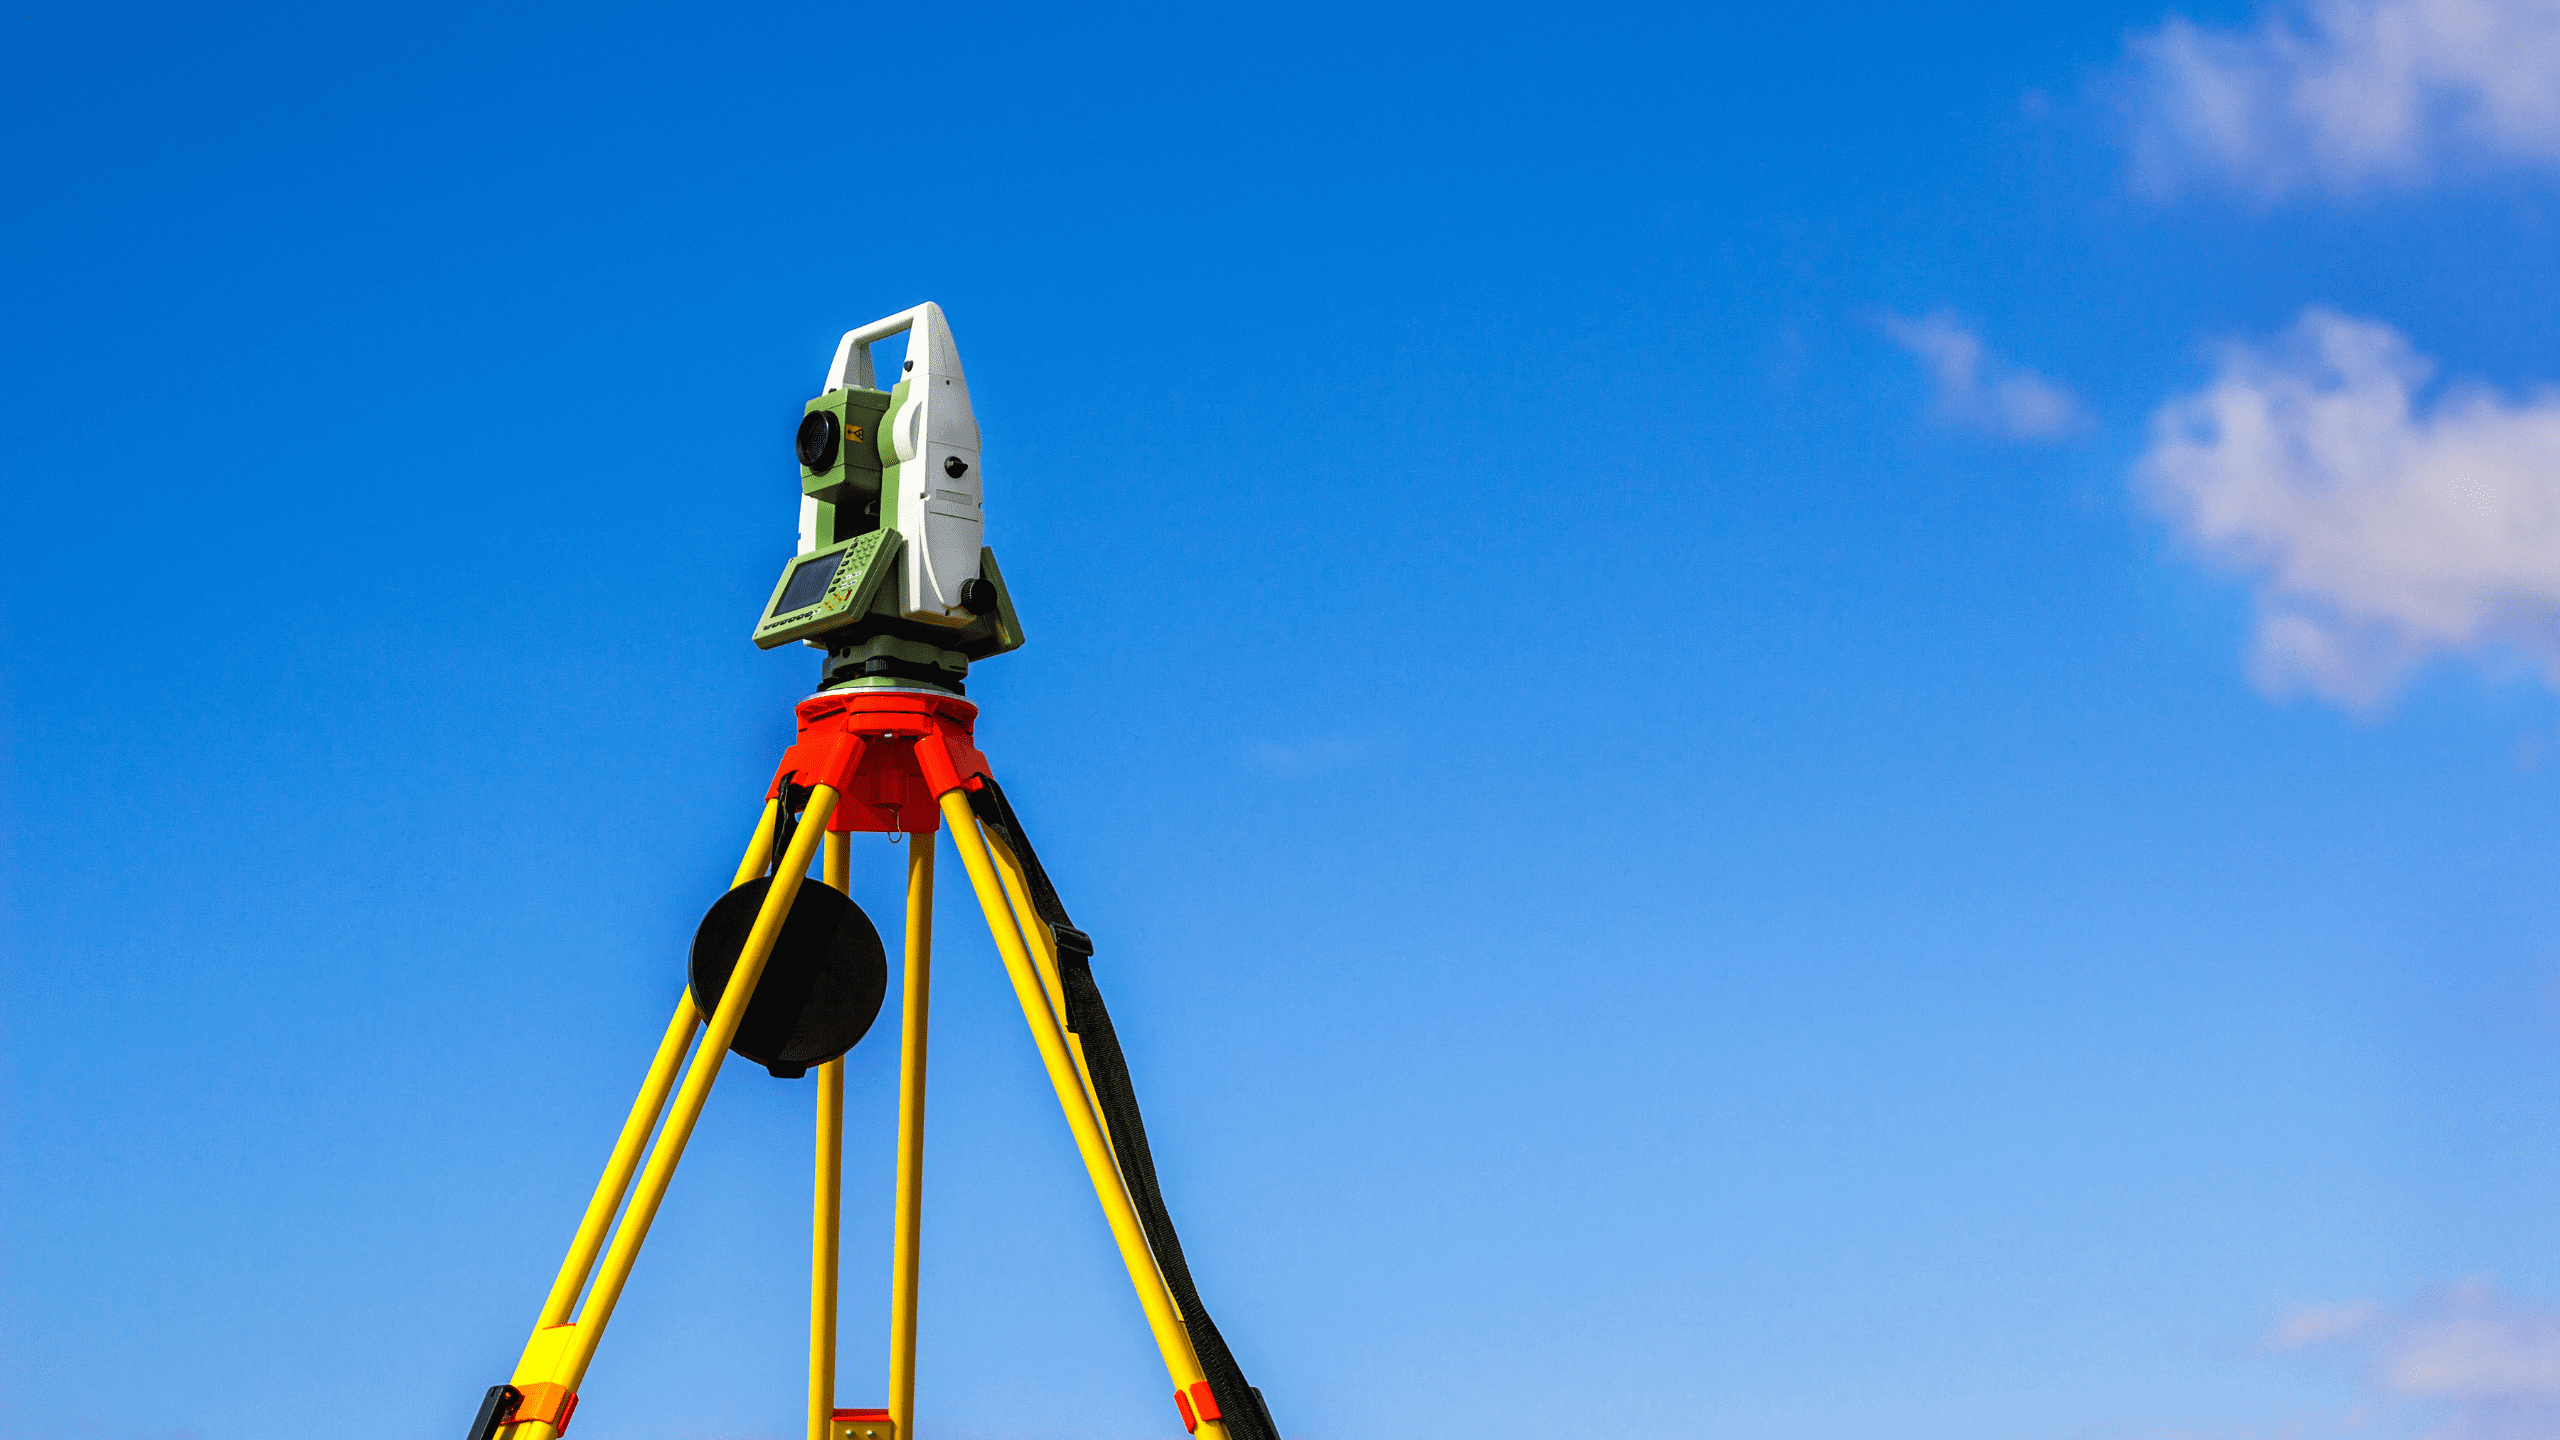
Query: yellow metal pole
point(1043, 946)
point(906, 1242)
point(760, 849)
point(617, 1170)
point(827, 1199)
point(697, 1080)
point(1171, 1339)
point(560, 1355)
point(637, 1125)
point(823, 1226)
point(1044, 956)
point(1026, 916)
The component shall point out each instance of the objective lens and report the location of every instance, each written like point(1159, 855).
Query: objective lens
point(821, 437)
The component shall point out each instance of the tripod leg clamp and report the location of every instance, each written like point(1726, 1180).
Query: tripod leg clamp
point(548, 1403)
point(1201, 1404)
point(507, 1405)
point(861, 1425)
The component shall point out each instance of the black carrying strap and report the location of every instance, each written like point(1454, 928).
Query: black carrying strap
point(786, 821)
point(1239, 1404)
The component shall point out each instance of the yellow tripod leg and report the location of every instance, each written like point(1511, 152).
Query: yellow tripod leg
point(556, 1358)
point(905, 1244)
point(637, 1125)
point(1162, 1319)
point(1043, 948)
point(827, 1200)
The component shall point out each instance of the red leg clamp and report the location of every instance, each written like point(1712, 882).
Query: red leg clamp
point(1201, 1404)
point(548, 1403)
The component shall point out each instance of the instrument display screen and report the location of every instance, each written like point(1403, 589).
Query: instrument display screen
point(808, 584)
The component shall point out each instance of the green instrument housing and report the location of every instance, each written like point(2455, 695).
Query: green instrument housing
point(848, 492)
point(849, 608)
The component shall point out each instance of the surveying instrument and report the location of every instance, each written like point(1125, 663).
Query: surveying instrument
point(894, 584)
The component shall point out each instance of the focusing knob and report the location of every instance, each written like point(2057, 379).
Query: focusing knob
point(977, 596)
point(821, 437)
point(955, 467)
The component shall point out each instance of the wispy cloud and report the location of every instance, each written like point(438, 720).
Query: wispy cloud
point(2344, 95)
point(2311, 1325)
point(2380, 530)
point(2463, 1363)
point(1978, 389)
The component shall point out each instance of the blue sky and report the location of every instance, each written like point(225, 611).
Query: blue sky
point(1779, 725)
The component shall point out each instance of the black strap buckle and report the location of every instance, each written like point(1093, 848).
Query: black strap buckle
point(786, 821)
point(497, 1408)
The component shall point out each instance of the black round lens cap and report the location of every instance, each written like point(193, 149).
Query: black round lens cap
point(821, 987)
point(821, 438)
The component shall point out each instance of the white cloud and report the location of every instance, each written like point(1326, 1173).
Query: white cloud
point(2465, 1363)
point(2310, 1325)
point(2380, 530)
point(1979, 389)
point(2343, 95)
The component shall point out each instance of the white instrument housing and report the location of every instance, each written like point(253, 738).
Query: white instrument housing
point(932, 433)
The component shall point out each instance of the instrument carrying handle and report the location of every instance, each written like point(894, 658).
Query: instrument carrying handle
point(852, 365)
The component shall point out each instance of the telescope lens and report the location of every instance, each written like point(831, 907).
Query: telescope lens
point(821, 436)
